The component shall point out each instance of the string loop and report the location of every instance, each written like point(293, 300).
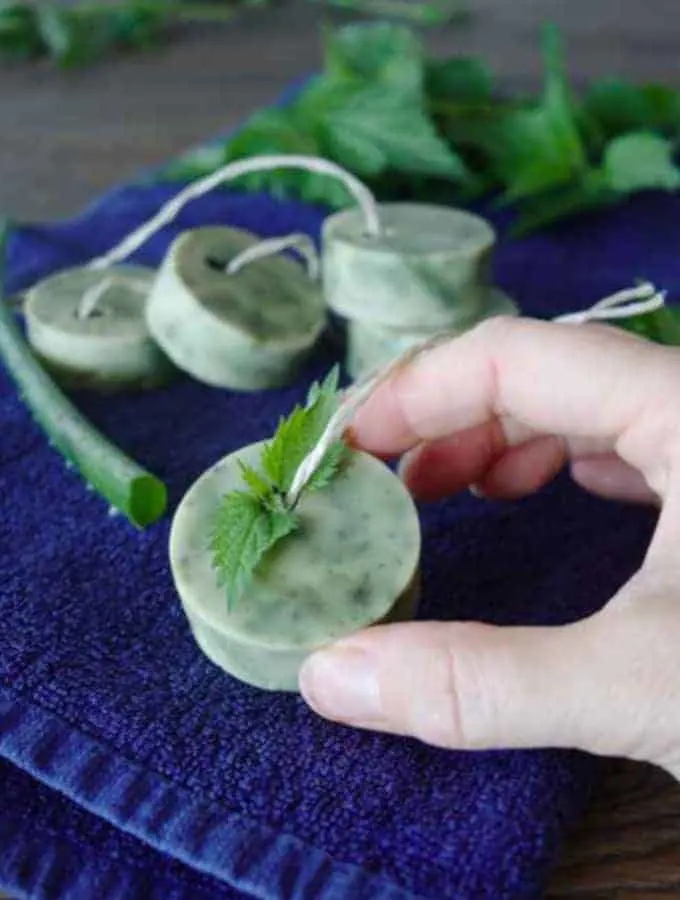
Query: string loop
point(169, 211)
point(302, 243)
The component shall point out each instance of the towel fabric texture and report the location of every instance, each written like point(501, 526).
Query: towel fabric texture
point(133, 767)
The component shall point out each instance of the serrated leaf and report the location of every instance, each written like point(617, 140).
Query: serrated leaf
point(383, 55)
point(540, 148)
point(371, 130)
point(243, 533)
point(298, 434)
point(640, 161)
point(259, 487)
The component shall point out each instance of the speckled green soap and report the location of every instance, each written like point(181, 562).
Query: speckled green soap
point(429, 267)
point(371, 346)
point(353, 563)
point(248, 331)
point(110, 349)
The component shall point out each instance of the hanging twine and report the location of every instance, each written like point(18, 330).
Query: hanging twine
point(622, 305)
point(169, 211)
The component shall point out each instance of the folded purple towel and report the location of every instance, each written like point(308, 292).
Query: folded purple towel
point(106, 700)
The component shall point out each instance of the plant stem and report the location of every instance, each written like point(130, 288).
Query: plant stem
point(139, 495)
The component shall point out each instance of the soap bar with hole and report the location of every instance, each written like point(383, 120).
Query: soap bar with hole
point(370, 347)
point(247, 331)
point(429, 267)
point(110, 348)
point(352, 563)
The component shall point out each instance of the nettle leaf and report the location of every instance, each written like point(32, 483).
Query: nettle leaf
point(371, 130)
point(540, 148)
point(380, 54)
point(661, 326)
point(259, 487)
point(589, 193)
point(299, 433)
point(19, 33)
point(250, 523)
point(243, 532)
point(615, 107)
point(640, 161)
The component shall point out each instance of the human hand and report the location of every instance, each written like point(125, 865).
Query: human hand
point(504, 407)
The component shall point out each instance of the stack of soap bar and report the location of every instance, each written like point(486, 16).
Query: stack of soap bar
point(352, 563)
point(428, 272)
point(249, 330)
point(88, 327)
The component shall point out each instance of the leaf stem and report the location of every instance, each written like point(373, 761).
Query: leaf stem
point(138, 494)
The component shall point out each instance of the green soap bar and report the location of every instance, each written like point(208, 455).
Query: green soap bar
point(108, 349)
point(250, 330)
point(353, 563)
point(370, 347)
point(429, 268)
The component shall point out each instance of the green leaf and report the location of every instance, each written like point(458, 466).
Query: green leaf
point(243, 532)
point(615, 107)
point(19, 34)
point(370, 130)
point(540, 148)
point(459, 80)
point(640, 161)
point(65, 42)
point(298, 434)
point(661, 326)
point(259, 487)
point(589, 193)
point(382, 55)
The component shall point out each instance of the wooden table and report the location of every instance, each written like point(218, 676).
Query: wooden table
point(66, 138)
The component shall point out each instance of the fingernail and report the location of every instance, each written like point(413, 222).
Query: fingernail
point(477, 492)
point(342, 684)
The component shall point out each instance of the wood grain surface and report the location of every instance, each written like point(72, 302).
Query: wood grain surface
point(67, 138)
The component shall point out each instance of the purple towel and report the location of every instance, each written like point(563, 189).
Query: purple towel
point(148, 762)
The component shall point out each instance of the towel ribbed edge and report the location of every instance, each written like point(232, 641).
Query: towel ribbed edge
point(247, 856)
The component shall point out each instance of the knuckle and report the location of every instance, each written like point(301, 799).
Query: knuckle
point(463, 713)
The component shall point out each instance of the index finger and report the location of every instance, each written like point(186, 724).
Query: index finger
point(586, 381)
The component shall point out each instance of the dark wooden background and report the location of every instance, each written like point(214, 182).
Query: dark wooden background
point(64, 138)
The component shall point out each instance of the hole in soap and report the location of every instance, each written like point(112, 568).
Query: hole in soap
point(217, 265)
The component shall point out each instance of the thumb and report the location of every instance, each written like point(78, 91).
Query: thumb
point(474, 686)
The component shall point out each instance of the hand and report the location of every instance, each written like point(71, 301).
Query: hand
point(504, 407)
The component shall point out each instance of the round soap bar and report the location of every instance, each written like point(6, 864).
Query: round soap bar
point(370, 346)
point(352, 563)
point(88, 327)
point(429, 267)
point(248, 330)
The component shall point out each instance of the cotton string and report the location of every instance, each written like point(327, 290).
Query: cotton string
point(167, 213)
point(270, 247)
